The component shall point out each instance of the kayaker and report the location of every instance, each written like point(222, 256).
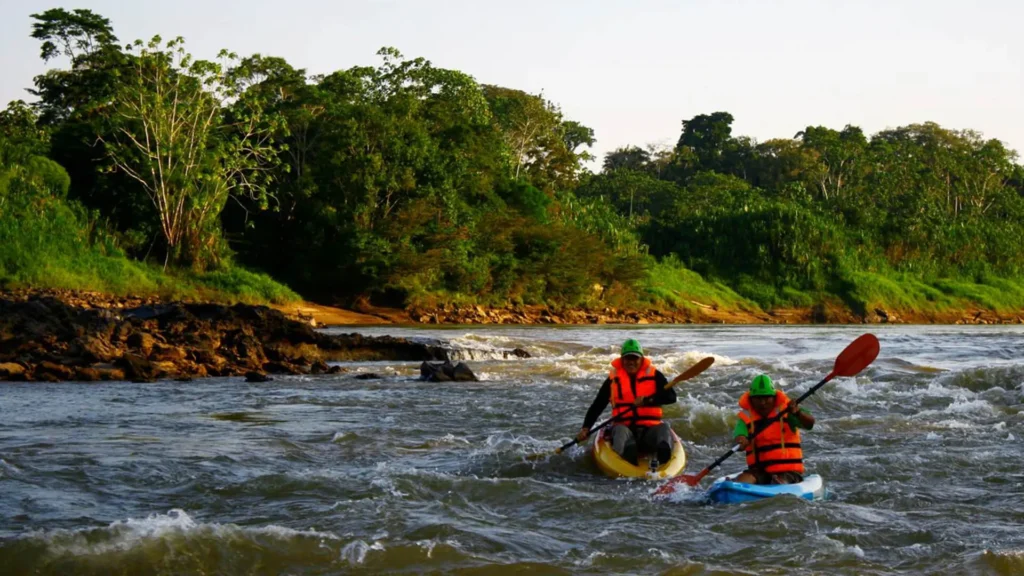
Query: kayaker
point(774, 456)
point(637, 391)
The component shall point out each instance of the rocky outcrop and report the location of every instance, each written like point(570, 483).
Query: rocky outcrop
point(446, 372)
point(45, 338)
point(831, 312)
point(514, 314)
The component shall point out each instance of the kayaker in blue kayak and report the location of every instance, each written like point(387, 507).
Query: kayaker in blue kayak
point(774, 456)
point(637, 391)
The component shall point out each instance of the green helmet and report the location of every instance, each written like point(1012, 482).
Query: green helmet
point(631, 346)
point(762, 386)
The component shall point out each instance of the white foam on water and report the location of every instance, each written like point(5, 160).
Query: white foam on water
point(682, 493)
point(7, 469)
point(680, 362)
point(127, 534)
point(355, 552)
point(510, 442)
point(848, 386)
point(932, 436)
point(954, 425)
point(849, 531)
point(589, 560)
point(342, 436)
point(388, 471)
point(596, 366)
point(780, 365)
point(571, 369)
point(661, 554)
point(472, 339)
point(701, 412)
point(490, 347)
point(837, 546)
point(428, 546)
point(963, 406)
point(937, 390)
point(449, 439)
point(387, 485)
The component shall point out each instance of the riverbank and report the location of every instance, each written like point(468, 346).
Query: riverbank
point(695, 313)
point(59, 336)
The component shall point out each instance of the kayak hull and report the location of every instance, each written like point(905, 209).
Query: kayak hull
point(615, 467)
point(725, 491)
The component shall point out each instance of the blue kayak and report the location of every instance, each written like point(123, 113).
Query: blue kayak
point(725, 491)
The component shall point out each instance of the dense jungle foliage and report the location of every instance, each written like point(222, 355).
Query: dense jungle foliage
point(140, 168)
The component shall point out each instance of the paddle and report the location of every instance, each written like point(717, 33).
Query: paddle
point(850, 362)
point(693, 371)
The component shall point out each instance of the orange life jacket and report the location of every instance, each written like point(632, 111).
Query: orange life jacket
point(776, 448)
point(626, 390)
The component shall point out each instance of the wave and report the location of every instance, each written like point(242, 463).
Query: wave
point(172, 542)
point(176, 543)
point(1000, 562)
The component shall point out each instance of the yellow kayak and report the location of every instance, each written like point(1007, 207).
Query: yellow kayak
point(614, 466)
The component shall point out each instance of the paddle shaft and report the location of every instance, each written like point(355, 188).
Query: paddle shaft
point(776, 418)
point(576, 441)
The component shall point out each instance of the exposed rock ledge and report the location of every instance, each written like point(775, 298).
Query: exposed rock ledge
point(46, 338)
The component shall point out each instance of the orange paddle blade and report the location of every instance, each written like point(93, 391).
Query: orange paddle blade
point(857, 356)
point(693, 371)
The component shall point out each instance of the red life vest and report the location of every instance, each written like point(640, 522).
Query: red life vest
point(626, 390)
point(776, 448)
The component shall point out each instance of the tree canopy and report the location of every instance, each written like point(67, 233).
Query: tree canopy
point(404, 181)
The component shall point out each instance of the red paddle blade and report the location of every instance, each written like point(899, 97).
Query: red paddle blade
point(691, 479)
point(668, 487)
point(857, 356)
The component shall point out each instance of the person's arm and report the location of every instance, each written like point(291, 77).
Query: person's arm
point(604, 396)
point(800, 418)
point(740, 429)
point(739, 433)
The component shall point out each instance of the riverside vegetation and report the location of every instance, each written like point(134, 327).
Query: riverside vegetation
point(139, 169)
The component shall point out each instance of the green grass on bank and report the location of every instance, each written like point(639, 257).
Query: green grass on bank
point(866, 291)
point(47, 241)
point(119, 275)
point(669, 284)
point(52, 261)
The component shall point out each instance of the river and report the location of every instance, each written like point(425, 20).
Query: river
point(921, 454)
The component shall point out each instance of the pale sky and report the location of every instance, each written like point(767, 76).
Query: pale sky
point(630, 70)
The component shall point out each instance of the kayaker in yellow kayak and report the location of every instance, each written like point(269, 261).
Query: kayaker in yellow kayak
point(637, 391)
point(774, 456)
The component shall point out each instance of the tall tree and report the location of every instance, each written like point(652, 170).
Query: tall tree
point(627, 157)
point(841, 157)
point(542, 144)
point(704, 141)
point(185, 131)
